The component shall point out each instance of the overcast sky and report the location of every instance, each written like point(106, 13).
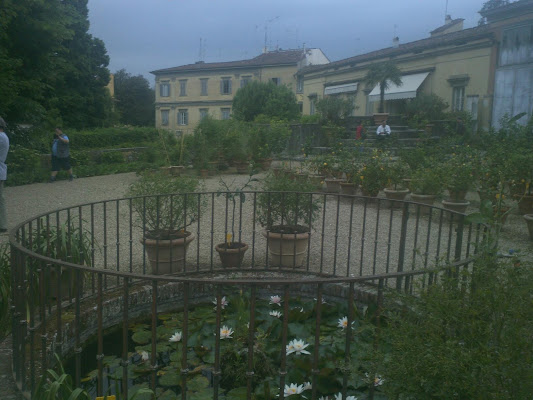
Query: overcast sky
point(145, 35)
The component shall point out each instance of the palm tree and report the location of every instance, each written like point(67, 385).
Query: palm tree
point(383, 73)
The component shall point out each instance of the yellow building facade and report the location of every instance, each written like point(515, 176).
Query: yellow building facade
point(188, 93)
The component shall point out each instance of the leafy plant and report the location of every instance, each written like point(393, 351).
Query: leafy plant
point(334, 109)
point(165, 204)
point(372, 174)
point(384, 74)
point(427, 181)
point(286, 204)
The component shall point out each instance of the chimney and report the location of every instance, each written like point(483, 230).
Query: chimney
point(396, 42)
point(265, 50)
point(448, 19)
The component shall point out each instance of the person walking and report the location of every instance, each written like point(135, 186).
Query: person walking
point(60, 155)
point(4, 148)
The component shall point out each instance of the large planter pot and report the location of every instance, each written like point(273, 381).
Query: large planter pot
point(525, 204)
point(398, 195)
point(347, 188)
point(176, 170)
point(265, 163)
point(302, 177)
point(333, 185)
point(167, 256)
point(457, 206)
point(428, 199)
point(380, 117)
point(204, 173)
point(316, 180)
point(231, 256)
point(456, 195)
point(529, 221)
point(242, 167)
point(287, 250)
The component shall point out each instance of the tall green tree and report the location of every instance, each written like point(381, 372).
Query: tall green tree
point(383, 73)
point(51, 67)
point(134, 99)
point(268, 99)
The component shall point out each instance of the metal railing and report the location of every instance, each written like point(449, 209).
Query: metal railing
point(78, 271)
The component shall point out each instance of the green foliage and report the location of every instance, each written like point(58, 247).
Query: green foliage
point(55, 385)
point(160, 202)
point(383, 73)
point(427, 181)
point(290, 203)
point(333, 109)
point(103, 138)
point(425, 107)
point(134, 99)
point(458, 173)
point(467, 337)
point(372, 175)
point(310, 119)
point(265, 98)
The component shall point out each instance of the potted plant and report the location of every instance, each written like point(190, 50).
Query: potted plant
point(232, 251)
point(459, 178)
point(395, 174)
point(426, 185)
point(371, 175)
point(164, 209)
point(286, 210)
point(384, 74)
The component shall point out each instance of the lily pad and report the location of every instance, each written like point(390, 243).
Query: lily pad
point(197, 384)
point(142, 337)
point(171, 378)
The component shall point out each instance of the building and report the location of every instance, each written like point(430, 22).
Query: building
point(186, 94)
point(486, 70)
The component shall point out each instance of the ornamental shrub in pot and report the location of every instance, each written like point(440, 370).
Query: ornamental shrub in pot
point(286, 210)
point(165, 206)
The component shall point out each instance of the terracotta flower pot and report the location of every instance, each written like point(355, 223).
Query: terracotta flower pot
point(529, 221)
point(397, 195)
point(242, 167)
point(167, 256)
point(231, 256)
point(347, 188)
point(288, 249)
point(333, 185)
point(204, 173)
point(176, 170)
point(456, 196)
point(457, 206)
point(428, 199)
point(265, 163)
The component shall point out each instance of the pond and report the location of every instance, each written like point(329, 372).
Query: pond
point(342, 354)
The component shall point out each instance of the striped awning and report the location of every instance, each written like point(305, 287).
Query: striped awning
point(407, 90)
point(337, 89)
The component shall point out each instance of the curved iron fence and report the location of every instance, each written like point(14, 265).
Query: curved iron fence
point(82, 270)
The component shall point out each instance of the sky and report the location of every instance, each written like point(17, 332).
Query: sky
point(146, 35)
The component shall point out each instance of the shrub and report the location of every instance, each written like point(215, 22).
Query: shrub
point(427, 181)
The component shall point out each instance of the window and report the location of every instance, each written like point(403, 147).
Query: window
point(203, 83)
point(225, 86)
point(312, 101)
point(183, 117)
point(183, 87)
point(458, 98)
point(164, 89)
point(301, 107)
point(203, 113)
point(276, 81)
point(164, 117)
point(245, 80)
point(300, 84)
point(225, 112)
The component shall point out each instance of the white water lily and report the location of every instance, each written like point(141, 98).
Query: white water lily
point(276, 314)
point(275, 300)
point(297, 347)
point(144, 356)
point(343, 322)
point(225, 332)
point(176, 337)
point(338, 396)
point(293, 388)
point(223, 302)
point(378, 380)
point(308, 386)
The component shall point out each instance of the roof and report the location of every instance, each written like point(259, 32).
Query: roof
point(447, 26)
point(277, 57)
point(446, 39)
point(504, 9)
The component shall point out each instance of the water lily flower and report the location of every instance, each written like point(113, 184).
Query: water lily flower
point(338, 396)
point(307, 386)
point(223, 302)
point(378, 380)
point(225, 332)
point(293, 388)
point(275, 300)
point(297, 347)
point(144, 356)
point(176, 337)
point(343, 323)
point(276, 314)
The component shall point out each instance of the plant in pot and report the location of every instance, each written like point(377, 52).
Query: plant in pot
point(165, 207)
point(395, 174)
point(458, 178)
point(286, 210)
point(426, 185)
point(232, 251)
point(371, 175)
point(236, 147)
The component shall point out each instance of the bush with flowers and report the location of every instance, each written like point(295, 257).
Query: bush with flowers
point(371, 176)
point(458, 176)
point(427, 181)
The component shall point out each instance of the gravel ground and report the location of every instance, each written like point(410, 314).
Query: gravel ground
point(379, 227)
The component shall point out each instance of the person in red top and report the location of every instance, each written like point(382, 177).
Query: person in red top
point(359, 132)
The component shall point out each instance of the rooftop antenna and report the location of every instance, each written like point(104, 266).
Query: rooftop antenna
point(446, 11)
point(266, 32)
point(201, 52)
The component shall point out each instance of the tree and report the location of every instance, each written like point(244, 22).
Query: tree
point(384, 74)
point(134, 99)
point(258, 98)
point(333, 109)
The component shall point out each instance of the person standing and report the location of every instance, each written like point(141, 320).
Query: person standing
point(60, 155)
point(4, 148)
point(360, 131)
